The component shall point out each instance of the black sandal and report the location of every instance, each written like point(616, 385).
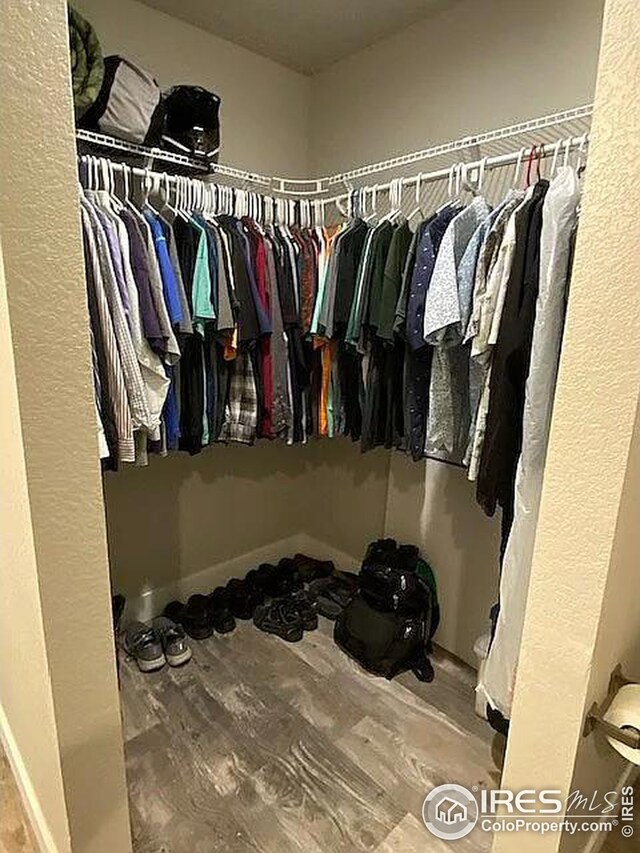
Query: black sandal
point(279, 619)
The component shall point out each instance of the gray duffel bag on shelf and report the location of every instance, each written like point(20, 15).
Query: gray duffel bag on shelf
point(128, 105)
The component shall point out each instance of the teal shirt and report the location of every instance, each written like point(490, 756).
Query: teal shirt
point(201, 287)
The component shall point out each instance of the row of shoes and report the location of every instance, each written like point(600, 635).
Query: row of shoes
point(283, 599)
point(241, 598)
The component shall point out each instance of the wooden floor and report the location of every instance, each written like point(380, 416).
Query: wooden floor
point(260, 745)
point(15, 833)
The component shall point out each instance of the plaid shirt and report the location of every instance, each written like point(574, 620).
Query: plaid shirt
point(241, 414)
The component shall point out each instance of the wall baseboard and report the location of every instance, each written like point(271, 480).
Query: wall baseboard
point(35, 815)
point(144, 607)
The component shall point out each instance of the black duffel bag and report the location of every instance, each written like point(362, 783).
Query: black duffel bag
point(191, 122)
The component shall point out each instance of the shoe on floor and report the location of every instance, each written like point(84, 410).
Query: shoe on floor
point(264, 579)
point(243, 598)
point(288, 578)
point(306, 605)
point(193, 616)
point(332, 594)
point(144, 645)
point(281, 619)
point(311, 569)
point(220, 613)
point(175, 645)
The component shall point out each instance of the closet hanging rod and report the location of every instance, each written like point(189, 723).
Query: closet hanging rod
point(560, 149)
point(550, 148)
point(316, 187)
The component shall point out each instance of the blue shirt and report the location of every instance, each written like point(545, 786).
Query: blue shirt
point(169, 281)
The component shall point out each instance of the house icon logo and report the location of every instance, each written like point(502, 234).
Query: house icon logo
point(450, 812)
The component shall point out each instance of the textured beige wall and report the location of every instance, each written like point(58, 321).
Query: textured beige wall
point(583, 613)
point(27, 722)
point(265, 107)
point(183, 515)
point(39, 221)
point(476, 65)
point(433, 505)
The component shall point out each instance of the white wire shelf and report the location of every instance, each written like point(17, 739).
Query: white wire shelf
point(102, 141)
point(492, 143)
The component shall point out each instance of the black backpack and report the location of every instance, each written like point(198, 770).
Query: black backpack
point(387, 627)
point(191, 122)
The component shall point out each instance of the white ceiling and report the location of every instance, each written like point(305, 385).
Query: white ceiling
point(306, 35)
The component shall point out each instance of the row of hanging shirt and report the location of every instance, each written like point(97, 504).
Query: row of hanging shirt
point(209, 327)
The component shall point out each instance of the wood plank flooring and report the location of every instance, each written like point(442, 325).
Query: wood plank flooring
point(15, 832)
point(260, 745)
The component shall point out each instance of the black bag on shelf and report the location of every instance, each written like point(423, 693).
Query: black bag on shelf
point(128, 104)
point(191, 122)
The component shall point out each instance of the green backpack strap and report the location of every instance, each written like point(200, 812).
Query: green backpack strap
point(427, 576)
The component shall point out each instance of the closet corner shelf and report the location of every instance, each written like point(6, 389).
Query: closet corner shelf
point(91, 141)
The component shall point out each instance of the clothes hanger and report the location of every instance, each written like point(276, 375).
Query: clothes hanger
point(554, 162)
point(518, 166)
point(580, 163)
point(116, 202)
point(534, 156)
point(374, 204)
point(149, 186)
point(394, 202)
point(451, 179)
point(474, 189)
point(397, 213)
point(417, 209)
point(463, 182)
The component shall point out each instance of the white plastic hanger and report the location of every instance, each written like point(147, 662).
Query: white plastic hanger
point(374, 204)
point(518, 168)
point(580, 159)
point(554, 162)
point(417, 209)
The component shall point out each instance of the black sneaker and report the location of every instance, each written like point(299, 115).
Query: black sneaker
point(220, 613)
point(288, 578)
point(311, 569)
point(243, 598)
point(264, 579)
point(193, 616)
point(281, 619)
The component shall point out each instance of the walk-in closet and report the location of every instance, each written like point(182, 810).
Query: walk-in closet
point(316, 316)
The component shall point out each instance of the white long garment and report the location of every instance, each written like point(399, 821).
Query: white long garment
point(558, 219)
